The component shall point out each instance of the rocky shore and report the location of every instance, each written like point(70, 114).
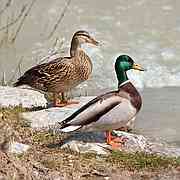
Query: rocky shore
point(27, 132)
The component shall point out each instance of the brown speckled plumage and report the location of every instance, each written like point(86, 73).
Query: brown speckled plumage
point(64, 73)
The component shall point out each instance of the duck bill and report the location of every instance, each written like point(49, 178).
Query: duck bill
point(138, 67)
point(94, 42)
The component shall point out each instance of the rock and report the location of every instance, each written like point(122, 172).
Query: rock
point(27, 98)
point(18, 148)
point(139, 143)
point(48, 117)
point(133, 142)
point(85, 147)
point(95, 142)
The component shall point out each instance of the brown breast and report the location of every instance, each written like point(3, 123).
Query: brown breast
point(134, 95)
point(85, 65)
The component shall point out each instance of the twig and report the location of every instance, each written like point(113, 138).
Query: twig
point(19, 69)
point(15, 20)
point(22, 21)
point(3, 81)
point(8, 3)
point(4, 39)
point(60, 18)
point(7, 32)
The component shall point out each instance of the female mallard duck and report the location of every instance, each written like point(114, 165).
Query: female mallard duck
point(64, 73)
point(109, 111)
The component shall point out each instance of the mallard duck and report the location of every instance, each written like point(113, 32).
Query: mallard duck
point(109, 111)
point(64, 73)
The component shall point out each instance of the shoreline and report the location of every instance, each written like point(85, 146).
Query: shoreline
point(51, 161)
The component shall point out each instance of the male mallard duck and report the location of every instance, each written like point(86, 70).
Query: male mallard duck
point(109, 111)
point(64, 73)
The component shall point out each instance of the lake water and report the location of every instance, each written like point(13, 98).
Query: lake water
point(147, 30)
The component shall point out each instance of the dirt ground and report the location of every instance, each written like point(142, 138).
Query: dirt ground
point(45, 160)
point(61, 165)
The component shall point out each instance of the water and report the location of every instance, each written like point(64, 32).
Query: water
point(160, 115)
point(147, 30)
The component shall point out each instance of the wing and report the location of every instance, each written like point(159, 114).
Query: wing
point(93, 110)
point(49, 69)
point(55, 69)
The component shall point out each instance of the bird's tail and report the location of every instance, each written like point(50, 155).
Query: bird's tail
point(70, 128)
point(59, 127)
point(22, 81)
point(18, 83)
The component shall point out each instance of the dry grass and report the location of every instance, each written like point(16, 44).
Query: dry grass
point(46, 160)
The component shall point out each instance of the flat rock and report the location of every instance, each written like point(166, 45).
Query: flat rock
point(27, 98)
point(48, 117)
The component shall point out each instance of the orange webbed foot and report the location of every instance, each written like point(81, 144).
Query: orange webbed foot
point(64, 103)
point(115, 142)
point(72, 102)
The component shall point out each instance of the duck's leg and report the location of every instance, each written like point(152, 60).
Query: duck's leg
point(68, 102)
point(63, 102)
point(57, 102)
point(115, 142)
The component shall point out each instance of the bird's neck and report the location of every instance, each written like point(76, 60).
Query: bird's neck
point(122, 77)
point(75, 47)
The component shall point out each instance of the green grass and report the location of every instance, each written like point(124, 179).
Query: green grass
point(142, 160)
point(57, 159)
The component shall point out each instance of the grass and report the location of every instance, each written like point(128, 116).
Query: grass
point(121, 160)
point(142, 160)
point(45, 150)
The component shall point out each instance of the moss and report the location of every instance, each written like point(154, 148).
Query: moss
point(51, 164)
point(59, 159)
point(142, 160)
point(47, 139)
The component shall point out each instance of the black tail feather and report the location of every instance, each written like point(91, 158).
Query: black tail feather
point(18, 83)
point(21, 81)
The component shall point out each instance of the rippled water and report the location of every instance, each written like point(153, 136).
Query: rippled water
point(147, 30)
point(160, 116)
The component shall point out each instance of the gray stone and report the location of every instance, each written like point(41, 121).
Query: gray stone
point(139, 143)
point(48, 117)
point(86, 143)
point(28, 98)
point(85, 147)
point(18, 148)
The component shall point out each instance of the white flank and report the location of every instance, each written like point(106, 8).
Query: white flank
point(70, 128)
point(95, 109)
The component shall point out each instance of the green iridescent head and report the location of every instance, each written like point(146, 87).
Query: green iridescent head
point(123, 64)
